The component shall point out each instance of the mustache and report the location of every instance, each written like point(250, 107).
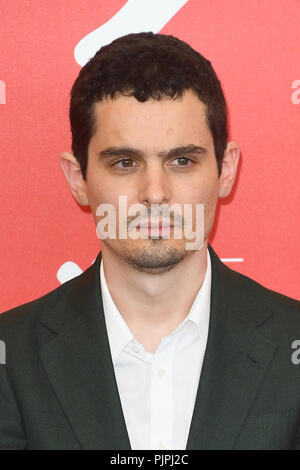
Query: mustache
point(162, 217)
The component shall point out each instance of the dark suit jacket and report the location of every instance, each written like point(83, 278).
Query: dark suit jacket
point(58, 388)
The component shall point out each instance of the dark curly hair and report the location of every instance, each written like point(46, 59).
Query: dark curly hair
point(145, 65)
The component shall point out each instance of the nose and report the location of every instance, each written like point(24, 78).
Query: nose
point(155, 186)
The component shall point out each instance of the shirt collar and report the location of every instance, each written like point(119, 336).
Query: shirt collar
point(118, 332)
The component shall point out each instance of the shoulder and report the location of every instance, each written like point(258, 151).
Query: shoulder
point(264, 295)
point(26, 323)
point(261, 303)
point(27, 314)
point(242, 293)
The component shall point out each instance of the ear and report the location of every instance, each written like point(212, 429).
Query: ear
point(72, 172)
point(229, 168)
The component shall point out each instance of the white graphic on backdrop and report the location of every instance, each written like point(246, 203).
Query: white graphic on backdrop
point(296, 95)
point(68, 271)
point(135, 16)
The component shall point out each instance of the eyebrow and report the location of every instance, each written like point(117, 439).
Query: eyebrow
point(132, 152)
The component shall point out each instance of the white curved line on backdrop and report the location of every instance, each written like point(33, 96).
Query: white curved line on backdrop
point(135, 16)
point(68, 271)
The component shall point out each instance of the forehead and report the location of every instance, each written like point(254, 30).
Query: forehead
point(125, 120)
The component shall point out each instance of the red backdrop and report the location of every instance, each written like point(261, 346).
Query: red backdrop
point(253, 46)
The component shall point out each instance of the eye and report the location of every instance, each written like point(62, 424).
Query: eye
point(183, 160)
point(128, 163)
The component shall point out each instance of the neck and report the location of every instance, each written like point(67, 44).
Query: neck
point(154, 305)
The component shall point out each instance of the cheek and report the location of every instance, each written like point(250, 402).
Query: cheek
point(209, 211)
point(202, 192)
point(99, 192)
point(209, 197)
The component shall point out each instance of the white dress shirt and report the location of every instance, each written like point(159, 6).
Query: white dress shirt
point(158, 390)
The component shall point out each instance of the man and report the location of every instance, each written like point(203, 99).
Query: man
point(155, 346)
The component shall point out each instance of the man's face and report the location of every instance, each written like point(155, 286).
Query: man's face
point(148, 176)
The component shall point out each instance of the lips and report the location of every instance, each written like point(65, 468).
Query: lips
point(148, 225)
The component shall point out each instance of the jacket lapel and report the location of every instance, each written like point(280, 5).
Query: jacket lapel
point(79, 365)
point(236, 361)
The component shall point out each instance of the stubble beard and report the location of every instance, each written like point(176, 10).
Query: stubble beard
point(153, 257)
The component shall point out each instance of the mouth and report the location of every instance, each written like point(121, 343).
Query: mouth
point(161, 229)
point(155, 226)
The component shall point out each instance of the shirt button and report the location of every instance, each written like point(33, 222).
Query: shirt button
point(161, 372)
point(136, 349)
